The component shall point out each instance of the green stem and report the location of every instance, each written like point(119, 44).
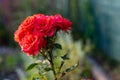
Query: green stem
point(52, 64)
point(62, 63)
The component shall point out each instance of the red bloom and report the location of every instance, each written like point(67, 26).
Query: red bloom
point(30, 34)
point(62, 23)
point(25, 28)
point(45, 24)
point(32, 43)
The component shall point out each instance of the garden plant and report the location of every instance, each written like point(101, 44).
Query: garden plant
point(36, 36)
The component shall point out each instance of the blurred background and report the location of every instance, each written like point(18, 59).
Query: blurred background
point(94, 40)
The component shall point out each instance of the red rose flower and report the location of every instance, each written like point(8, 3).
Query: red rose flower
point(30, 34)
point(32, 43)
point(25, 28)
point(45, 24)
point(62, 23)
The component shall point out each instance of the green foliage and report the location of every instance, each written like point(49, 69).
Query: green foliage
point(48, 69)
point(65, 57)
point(31, 66)
point(47, 63)
point(71, 68)
point(63, 66)
point(58, 46)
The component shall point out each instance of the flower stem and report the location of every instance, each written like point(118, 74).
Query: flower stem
point(52, 64)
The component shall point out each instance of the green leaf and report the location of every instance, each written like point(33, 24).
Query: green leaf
point(56, 45)
point(48, 69)
point(65, 57)
point(72, 67)
point(31, 66)
point(69, 69)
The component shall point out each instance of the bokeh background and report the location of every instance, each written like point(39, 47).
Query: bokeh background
point(94, 40)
